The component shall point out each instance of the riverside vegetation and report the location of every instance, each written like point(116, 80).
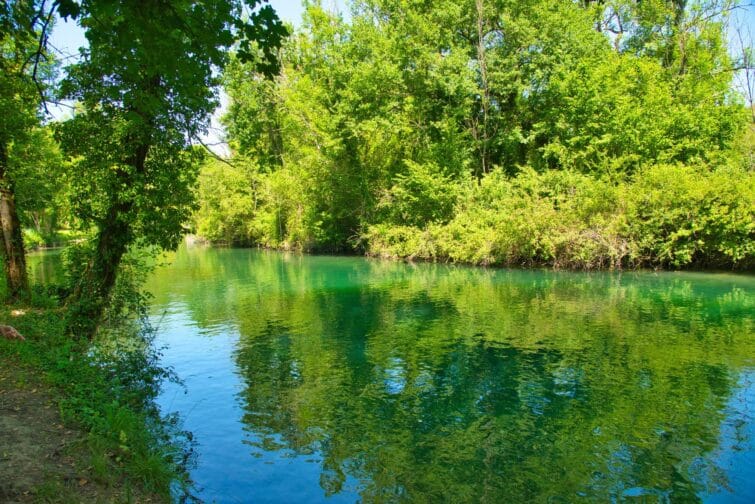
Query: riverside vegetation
point(116, 177)
point(528, 133)
point(125, 450)
point(579, 134)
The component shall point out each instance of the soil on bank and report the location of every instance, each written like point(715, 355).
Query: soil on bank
point(41, 459)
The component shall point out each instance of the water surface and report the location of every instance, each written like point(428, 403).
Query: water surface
point(340, 379)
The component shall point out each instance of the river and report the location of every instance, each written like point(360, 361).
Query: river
point(343, 379)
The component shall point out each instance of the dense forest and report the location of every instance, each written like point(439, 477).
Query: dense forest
point(570, 134)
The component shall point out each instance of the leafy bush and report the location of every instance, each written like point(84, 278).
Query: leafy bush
point(33, 239)
point(679, 216)
point(668, 215)
point(421, 195)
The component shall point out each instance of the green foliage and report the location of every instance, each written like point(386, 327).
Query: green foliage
point(158, 198)
point(226, 203)
point(421, 195)
point(681, 215)
point(19, 99)
point(42, 186)
point(518, 133)
point(147, 84)
point(107, 390)
point(667, 216)
point(652, 119)
point(33, 239)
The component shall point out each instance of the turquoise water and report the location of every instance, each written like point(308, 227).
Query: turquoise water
point(341, 379)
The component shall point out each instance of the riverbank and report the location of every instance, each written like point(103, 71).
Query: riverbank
point(43, 457)
point(664, 217)
point(75, 428)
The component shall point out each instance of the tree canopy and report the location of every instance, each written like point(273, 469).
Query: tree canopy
point(496, 132)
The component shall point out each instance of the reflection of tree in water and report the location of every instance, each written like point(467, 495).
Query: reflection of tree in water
point(45, 268)
point(456, 384)
point(409, 396)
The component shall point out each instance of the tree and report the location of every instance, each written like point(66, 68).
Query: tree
point(147, 85)
point(394, 120)
point(42, 182)
point(23, 25)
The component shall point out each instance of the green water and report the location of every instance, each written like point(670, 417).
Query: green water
point(345, 379)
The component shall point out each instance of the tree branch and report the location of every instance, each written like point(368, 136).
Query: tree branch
point(213, 154)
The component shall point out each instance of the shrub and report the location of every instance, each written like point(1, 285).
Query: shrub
point(668, 215)
point(680, 216)
point(33, 239)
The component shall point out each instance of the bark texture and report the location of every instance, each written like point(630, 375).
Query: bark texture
point(14, 257)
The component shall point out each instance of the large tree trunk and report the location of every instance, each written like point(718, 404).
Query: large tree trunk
point(92, 295)
point(14, 258)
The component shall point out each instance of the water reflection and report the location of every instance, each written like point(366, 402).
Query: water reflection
point(45, 267)
point(384, 382)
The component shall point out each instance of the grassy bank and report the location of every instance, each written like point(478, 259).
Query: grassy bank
point(105, 391)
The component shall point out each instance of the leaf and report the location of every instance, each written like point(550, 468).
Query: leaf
point(68, 9)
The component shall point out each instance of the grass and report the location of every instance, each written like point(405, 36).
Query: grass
point(107, 394)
